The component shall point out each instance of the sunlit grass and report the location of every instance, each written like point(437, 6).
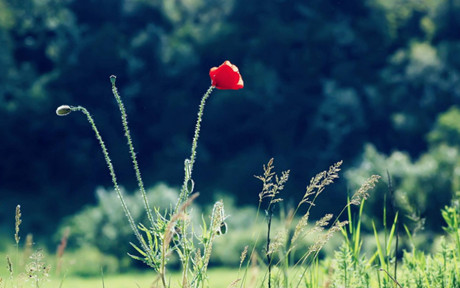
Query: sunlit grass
point(218, 277)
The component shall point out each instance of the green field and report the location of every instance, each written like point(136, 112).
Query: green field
point(217, 278)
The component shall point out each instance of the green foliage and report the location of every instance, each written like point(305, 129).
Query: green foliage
point(438, 270)
point(352, 232)
point(353, 268)
point(447, 129)
point(435, 173)
point(386, 64)
point(416, 270)
point(89, 261)
point(386, 252)
point(350, 271)
point(451, 215)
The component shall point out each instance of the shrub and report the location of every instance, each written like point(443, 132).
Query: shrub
point(104, 226)
point(421, 187)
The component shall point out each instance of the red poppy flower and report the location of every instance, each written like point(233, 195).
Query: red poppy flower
point(226, 76)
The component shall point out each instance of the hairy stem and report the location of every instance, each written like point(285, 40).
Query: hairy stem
point(197, 127)
point(124, 119)
point(114, 178)
point(185, 191)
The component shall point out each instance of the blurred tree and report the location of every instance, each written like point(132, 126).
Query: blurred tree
point(447, 128)
point(422, 186)
point(104, 226)
point(321, 79)
point(33, 36)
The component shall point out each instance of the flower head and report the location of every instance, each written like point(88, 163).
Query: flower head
point(226, 76)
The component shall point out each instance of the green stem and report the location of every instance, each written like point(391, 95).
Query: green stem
point(197, 127)
point(269, 258)
point(124, 119)
point(114, 178)
point(187, 187)
point(163, 266)
point(185, 191)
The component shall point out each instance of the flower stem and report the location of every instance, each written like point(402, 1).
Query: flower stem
point(185, 191)
point(114, 178)
point(198, 126)
point(124, 119)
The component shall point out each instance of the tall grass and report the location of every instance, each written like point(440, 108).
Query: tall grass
point(284, 261)
point(171, 231)
point(415, 269)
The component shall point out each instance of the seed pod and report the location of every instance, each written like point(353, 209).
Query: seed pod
point(113, 78)
point(63, 110)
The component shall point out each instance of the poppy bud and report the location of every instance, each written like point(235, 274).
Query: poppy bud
point(63, 110)
point(113, 78)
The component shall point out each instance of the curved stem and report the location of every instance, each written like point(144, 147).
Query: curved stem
point(114, 178)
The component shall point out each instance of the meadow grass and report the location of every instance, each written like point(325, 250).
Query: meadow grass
point(218, 278)
point(348, 266)
point(172, 231)
point(270, 260)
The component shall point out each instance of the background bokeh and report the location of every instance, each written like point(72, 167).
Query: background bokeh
point(373, 83)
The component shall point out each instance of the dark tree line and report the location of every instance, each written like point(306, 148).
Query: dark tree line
point(322, 78)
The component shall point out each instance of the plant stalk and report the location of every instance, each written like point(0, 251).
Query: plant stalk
point(114, 178)
point(124, 119)
point(185, 191)
point(269, 258)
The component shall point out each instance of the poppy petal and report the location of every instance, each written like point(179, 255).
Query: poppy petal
point(226, 76)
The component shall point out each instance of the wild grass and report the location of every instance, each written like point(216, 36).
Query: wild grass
point(348, 267)
point(218, 278)
point(276, 256)
point(168, 231)
point(171, 231)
